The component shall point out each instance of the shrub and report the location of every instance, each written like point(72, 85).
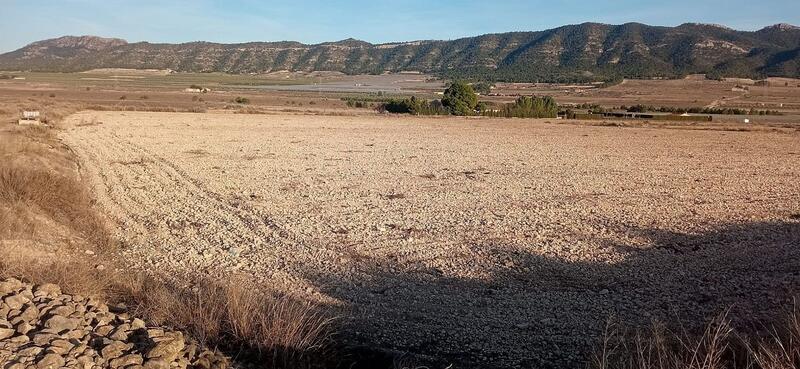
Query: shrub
point(241, 100)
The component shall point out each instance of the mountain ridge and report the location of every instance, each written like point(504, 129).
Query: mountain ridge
point(588, 51)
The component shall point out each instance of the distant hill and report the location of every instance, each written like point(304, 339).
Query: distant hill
point(582, 52)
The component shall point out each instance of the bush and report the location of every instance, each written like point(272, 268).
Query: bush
point(241, 100)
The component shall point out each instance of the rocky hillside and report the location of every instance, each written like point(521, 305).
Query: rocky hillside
point(588, 51)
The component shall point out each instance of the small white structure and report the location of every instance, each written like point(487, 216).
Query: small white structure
point(30, 118)
point(746, 120)
point(202, 90)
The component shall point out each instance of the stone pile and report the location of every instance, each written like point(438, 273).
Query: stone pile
point(42, 328)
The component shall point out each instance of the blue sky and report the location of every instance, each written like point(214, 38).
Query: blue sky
point(313, 21)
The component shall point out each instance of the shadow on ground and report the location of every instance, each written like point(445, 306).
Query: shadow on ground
point(536, 311)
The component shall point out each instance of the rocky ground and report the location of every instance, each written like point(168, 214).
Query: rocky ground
point(503, 243)
point(43, 328)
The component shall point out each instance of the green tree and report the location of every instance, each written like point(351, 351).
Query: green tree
point(460, 99)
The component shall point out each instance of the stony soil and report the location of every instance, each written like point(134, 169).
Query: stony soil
point(42, 328)
point(486, 242)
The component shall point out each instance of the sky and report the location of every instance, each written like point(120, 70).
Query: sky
point(377, 21)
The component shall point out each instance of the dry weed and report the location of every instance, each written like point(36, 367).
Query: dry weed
point(719, 346)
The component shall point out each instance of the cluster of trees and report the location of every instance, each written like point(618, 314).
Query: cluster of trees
point(415, 106)
point(460, 99)
point(527, 107)
point(696, 110)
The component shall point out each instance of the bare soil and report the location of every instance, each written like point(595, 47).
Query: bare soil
point(494, 243)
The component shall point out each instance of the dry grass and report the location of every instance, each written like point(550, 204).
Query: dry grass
point(719, 346)
point(59, 197)
point(781, 349)
point(74, 275)
point(228, 315)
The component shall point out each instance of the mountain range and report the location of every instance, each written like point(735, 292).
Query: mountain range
point(583, 52)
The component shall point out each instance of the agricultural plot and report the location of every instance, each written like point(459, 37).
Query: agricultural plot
point(499, 242)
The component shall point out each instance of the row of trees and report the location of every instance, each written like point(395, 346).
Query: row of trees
point(460, 99)
point(697, 110)
point(527, 107)
point(414, 106)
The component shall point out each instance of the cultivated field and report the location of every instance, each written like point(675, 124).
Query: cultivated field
point(491, 242)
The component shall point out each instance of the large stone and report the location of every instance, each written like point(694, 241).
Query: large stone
point(64, 310)
point(113, 350)
point(32, 351)
point(6, 333)
point(60, 346)
point(47, 289)
point(15, 302)
point(121, 333)
point(29, 313)
point(167, 349)
point(10, 285)
point(50, 361)
point(124, 361)
point(23, 328)
point(42, 339)
point(156, 364)
point(59, 324)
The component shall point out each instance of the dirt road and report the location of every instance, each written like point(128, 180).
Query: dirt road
point(493, 243)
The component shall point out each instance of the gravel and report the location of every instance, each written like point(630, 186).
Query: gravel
point(52, 330)
point(502, 243)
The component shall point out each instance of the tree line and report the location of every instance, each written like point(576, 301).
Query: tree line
point(461, 99)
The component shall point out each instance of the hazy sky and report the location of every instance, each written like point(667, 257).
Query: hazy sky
point(313, 21)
